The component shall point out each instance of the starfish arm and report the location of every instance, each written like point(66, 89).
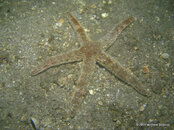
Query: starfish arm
point(71, 56)
point(87, 70)
point(111, 36)
point(78, 28)
point(119, 71)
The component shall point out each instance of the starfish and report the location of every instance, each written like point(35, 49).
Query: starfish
point(90, 53)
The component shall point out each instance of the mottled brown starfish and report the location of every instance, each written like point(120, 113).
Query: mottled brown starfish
point(91, 52)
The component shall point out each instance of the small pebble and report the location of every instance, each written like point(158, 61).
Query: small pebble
point(135, 48)
point(104, 15)
point(93, 6)
point(141, 20)
point(165, 56)
point(61, 21)
point(157, 18)
point(118, 122)
point(100, 103)
point(142, 107)
point(58, 24)
point(145, 69)
point(109, 2)
point(104, 2)
point(91, 92)
point(70, 76)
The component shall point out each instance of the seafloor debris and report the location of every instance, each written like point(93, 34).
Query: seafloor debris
point(35, 123)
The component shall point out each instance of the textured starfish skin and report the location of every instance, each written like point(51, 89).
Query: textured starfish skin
point(89, 53)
